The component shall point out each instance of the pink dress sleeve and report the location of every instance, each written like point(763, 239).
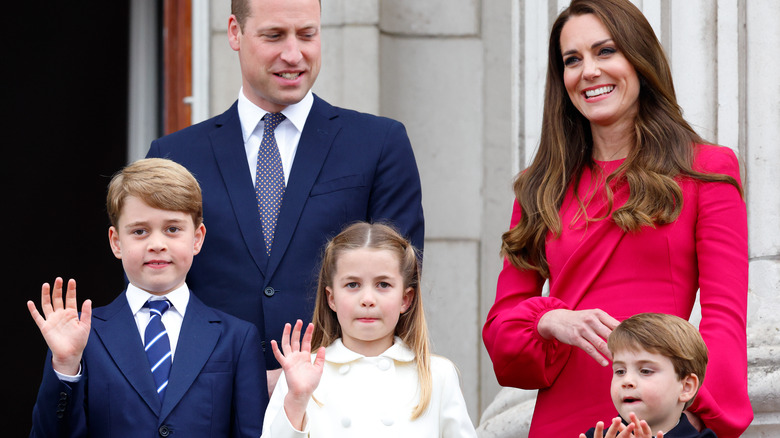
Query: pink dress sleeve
point(521, 357)
point(721, 247)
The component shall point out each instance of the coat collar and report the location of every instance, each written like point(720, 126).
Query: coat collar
point(339, 354)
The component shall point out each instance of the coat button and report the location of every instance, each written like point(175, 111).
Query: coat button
point(383, 364)
point(269, 291)
point(344, 369)
point(346, 422)
point(164, 430)
point(388, 421)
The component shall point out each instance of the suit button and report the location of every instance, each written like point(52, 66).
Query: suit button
point(164, 430)
point(269, 291)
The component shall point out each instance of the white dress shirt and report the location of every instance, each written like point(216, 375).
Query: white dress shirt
point(363, 396)
point(288, 133)
point(171, 319)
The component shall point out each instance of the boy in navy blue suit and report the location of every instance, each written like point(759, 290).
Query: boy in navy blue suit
point(203, 374)
point(658, 365)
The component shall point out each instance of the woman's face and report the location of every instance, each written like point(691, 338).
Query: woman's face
point(600, 81)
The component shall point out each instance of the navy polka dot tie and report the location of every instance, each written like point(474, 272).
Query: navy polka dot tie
point(157, 345)
point(269, 182)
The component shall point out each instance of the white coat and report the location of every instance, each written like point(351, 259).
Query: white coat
point(374, 396)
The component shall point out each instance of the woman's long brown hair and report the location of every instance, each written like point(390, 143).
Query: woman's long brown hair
point(663, 146)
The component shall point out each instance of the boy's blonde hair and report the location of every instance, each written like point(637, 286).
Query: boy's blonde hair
point(667, 335)
point(158, 182)
point(411, 327)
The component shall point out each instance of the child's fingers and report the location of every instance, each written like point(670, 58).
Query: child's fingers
point(46, 299)
point(70, 296)
point(36, 316)
point(296, 336)
point(614, 428)
point(286, 339)
point(319, 360)
point(627, 431)
point(645, 429)
point(306, 346)
point(277, 354)
point(56, 296)
point(86, 313)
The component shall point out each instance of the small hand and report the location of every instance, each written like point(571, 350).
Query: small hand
point(65, 333)
point(301, 374)
point(641, 428)
point(615, 427)
point(586, 329)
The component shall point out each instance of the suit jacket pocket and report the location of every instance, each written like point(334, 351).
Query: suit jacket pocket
point(342, 183)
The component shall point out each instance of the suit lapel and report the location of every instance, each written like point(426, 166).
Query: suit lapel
point(200, 332)
point(115, 326)
point(318, 134)
point(228, 146)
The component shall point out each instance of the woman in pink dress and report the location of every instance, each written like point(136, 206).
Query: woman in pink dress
point(625, 209)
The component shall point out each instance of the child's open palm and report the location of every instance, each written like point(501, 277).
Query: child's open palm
point(302, 375)
point(635, 429)
point(65, 332)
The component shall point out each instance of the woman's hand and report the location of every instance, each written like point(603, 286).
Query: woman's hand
point(301, 374)
point(586, 329)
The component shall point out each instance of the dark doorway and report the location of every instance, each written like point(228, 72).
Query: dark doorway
point(66, 113)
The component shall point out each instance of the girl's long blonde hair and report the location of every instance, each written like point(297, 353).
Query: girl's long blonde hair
point(411, 327)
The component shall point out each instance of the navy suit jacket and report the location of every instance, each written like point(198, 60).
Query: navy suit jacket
point(348, 167)
point(217, 386)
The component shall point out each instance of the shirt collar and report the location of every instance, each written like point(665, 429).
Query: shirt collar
point(338, 353)
point(137, 297)
point(250, 114)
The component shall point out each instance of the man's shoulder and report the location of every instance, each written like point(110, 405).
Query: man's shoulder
point(350, 115)
point(198, 130)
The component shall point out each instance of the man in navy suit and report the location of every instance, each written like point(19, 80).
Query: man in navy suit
point(339, 166)
point(200, 376)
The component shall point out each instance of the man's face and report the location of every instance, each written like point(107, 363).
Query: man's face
point(279, 51)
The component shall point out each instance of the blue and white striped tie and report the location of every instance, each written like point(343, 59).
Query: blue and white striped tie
point(157, 346)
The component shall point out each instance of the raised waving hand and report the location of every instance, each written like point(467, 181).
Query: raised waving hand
point(302, 375)
point(65, 332)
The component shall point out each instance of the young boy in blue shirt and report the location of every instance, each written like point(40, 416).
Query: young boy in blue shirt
point(156, 361)
point(658, 365)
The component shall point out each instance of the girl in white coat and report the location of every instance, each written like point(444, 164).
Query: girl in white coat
point(372, 373)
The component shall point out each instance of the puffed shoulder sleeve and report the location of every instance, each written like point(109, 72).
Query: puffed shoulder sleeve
point(521, 357)
point(722, 253)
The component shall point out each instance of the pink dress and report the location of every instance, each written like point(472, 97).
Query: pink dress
point(655, 270)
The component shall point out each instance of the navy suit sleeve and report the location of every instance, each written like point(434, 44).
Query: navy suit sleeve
point(249, 404)
point(59, 410)
point(396, 193)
